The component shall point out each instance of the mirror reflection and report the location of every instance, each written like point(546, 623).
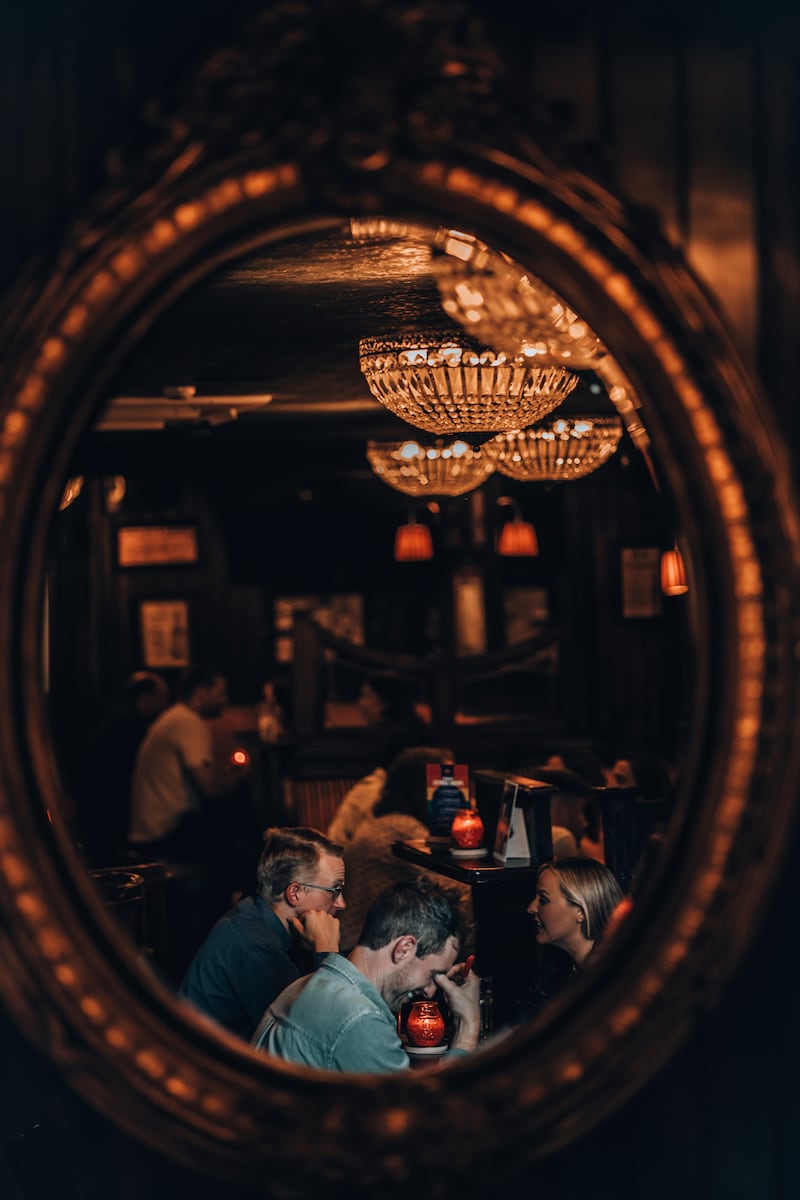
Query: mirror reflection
point(367, 550)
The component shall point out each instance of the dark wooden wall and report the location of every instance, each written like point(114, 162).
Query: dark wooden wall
point(693, 109)
point(618, 681)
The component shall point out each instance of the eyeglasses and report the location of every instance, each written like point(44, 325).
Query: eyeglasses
point(336, 891)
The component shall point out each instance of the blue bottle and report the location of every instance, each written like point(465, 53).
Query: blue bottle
point(446, 800)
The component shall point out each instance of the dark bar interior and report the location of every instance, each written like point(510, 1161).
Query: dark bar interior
point(258, 452)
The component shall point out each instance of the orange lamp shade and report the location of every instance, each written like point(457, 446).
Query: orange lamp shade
point(413, 543)
point(518, 540)
point(673, 573)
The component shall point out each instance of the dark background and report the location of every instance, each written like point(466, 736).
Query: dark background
point(692, 109)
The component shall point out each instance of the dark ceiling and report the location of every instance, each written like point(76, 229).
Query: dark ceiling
point(285, 323)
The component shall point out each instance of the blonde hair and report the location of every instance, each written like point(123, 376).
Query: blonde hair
point(590, 887)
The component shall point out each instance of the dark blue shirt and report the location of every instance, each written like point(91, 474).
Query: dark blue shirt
point(241, 967)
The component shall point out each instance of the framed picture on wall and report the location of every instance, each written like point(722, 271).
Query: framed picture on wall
point(526, 611)
point(342, 614)
point(164, 628)
point(640, 568)
point(156, 545)
point(469, 612)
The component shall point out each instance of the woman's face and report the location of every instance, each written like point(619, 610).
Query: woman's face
point(557, 922)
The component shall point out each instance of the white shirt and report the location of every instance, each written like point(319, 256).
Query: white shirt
point(357, 804)
point(162, 790)
point(565, 844)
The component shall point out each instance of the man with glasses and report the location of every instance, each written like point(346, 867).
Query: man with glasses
point(252, 953)
point(343, 1017)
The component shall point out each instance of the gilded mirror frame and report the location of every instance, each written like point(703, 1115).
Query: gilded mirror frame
point(206, 192)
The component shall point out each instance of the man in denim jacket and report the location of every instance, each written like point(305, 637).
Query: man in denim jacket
point(344, 1016)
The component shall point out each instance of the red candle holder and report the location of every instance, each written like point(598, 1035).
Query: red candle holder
point(425, 1026)
point(467, 829)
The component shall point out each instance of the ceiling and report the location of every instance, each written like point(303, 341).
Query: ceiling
point(275, 337)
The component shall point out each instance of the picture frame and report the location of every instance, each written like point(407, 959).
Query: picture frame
point(164, 628)
point(341, 613)
point(640, 582)
point(157, 546)
point(526, 612)
point(469, 612)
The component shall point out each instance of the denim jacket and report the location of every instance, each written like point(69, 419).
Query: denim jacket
point(335, 1020)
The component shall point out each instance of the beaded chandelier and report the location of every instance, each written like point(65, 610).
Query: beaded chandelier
point(511, 310)
point(445, 384)
point(440, 469)
point(559, 449)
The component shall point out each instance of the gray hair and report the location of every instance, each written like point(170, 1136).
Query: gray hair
point(291, 856)
point(417, 907)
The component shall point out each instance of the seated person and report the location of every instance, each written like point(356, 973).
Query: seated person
point(246, 960)
point(645, 771)
point(582, 760)
point(568, 805)
point(360, 801)
point(401, 814)
point(572, 909)
point(344, 1016)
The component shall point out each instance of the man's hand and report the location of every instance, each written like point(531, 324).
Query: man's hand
point(464, 1000)
point(318, 931)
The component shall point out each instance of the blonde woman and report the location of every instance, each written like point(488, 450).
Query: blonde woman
point(574, 900)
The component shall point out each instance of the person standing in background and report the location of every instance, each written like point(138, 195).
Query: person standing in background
point(176, 777)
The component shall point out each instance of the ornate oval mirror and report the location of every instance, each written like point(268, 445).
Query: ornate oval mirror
point(439, 151)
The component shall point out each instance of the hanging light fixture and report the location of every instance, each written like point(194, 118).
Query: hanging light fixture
point(413, 542)
point(559, 449)
point(444, 384)
point(517, 537)
point(516, 313)
point(673, 573)
point(72, 489)
point(439, 469)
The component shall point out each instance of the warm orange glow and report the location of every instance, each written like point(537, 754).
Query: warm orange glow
point(240, 758)
point(518, 540)
point(425, 1025)
point(413, 543)
point(673, 573)
point(466, 831)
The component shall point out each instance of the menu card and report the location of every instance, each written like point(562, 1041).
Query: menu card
point(447, 792)
point(511, 838)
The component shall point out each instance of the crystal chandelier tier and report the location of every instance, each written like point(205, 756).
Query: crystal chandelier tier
point(495, 300)
point(560, 449)
point(439, 469)
point(442, 384)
